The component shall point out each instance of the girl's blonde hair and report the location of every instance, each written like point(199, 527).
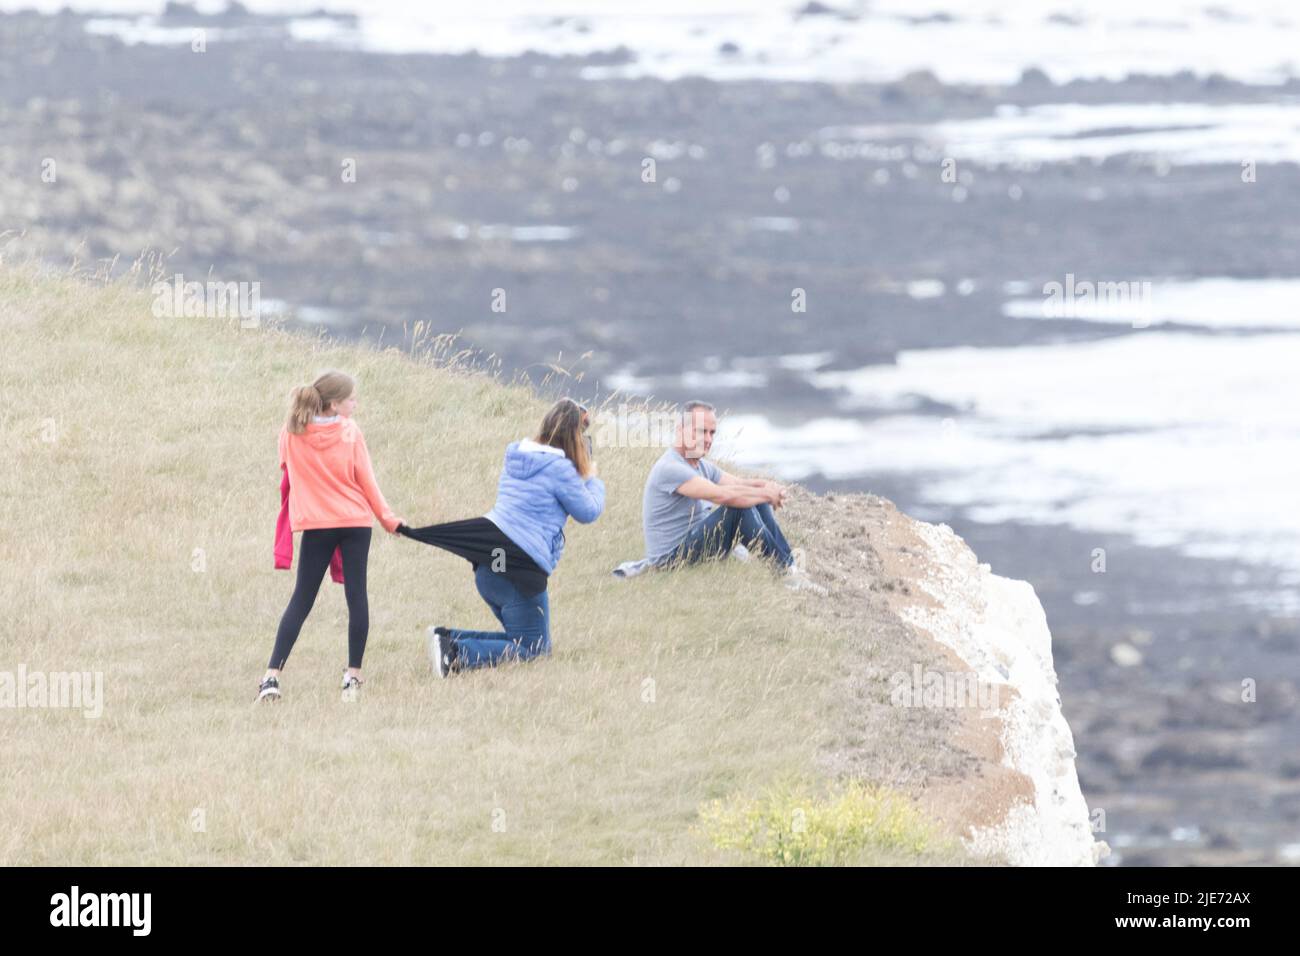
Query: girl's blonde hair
point(563, 428)
point(308, 400)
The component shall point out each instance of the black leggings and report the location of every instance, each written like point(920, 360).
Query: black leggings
point(313, 558)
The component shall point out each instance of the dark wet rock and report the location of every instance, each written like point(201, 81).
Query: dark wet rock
point(919, 84)
point(1219, 840)
point(1210, 706)
point(175, 10)
point(816, 9)
point(1191, 754)
point(1035, 79)
point(921, 20)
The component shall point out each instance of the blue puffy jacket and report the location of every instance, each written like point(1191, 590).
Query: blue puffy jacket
point(538, 491)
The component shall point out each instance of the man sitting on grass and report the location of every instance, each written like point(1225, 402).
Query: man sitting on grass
point(693, 510)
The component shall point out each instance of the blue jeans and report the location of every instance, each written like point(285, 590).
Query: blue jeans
point(527, 623)
point(724, 528)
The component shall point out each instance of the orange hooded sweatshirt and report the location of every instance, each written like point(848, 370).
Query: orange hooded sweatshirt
point(332, 481)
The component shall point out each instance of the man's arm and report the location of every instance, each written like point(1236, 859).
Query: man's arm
point(732, 481)
point(727, 494)
point(729, 479)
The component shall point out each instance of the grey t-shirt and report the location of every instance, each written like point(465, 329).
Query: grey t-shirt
point(666, 515)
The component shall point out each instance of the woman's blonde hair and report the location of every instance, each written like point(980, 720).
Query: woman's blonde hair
point(563, 428)
point(308, 400)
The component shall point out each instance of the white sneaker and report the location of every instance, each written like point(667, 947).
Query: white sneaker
point(351, 689)
point(741, 553)
point(796, 579)
point(442, 650)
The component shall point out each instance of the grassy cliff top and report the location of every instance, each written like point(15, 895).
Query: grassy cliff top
point(138, 507)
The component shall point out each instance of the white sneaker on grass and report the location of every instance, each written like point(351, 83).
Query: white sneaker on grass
point(351, 688)
point(442, 650)
point(796, 579)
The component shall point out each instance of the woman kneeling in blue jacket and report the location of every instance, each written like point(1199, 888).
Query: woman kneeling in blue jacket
point(516, 545)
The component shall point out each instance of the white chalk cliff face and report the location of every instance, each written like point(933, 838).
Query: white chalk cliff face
point(998, 628)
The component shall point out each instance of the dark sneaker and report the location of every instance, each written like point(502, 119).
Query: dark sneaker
point(442, 650)
point(351, 688)
point(268, 690)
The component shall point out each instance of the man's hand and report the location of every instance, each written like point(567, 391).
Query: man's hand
point(763, 491)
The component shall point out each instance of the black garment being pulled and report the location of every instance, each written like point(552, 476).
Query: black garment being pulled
point(479, 541)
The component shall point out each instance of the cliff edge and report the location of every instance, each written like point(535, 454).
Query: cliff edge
point(954, 682)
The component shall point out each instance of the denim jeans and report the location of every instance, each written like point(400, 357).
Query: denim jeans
point(527, 623)
point(755, 527)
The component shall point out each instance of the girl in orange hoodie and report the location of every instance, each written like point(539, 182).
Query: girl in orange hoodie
point(332, 496)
